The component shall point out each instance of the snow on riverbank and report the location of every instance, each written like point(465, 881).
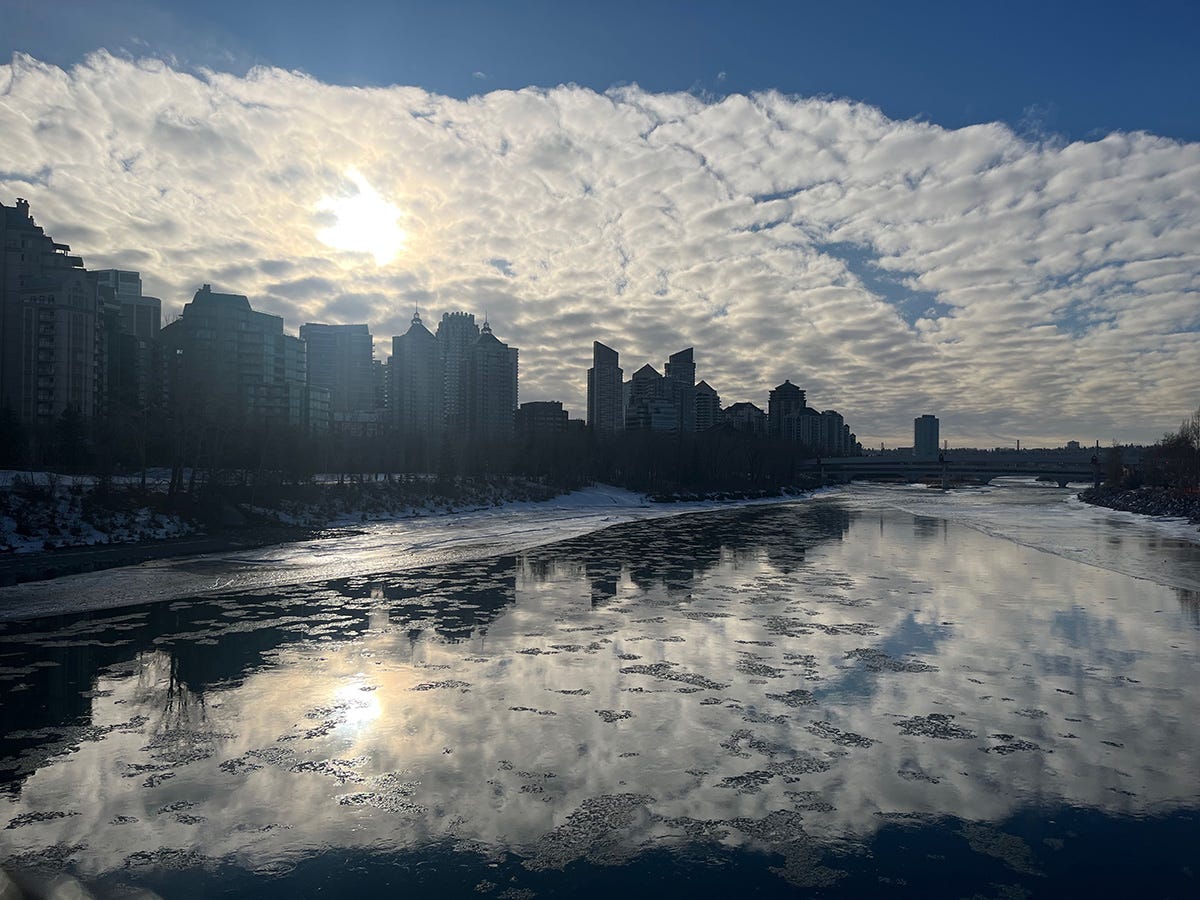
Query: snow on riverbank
point(370, 549)
point(42, 511)
point(48, 511)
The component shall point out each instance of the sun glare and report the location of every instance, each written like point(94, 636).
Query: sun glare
point(365, 222)
point(360, 708)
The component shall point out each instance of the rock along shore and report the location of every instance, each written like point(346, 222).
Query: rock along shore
point(1145, 501)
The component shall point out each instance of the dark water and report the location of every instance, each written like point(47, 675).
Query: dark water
point(845, 697)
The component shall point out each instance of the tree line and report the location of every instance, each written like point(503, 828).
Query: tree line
point(205, 448)
point(1174, 461)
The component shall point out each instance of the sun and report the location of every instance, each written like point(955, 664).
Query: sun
point(365, 222)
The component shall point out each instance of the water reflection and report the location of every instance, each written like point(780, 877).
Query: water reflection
point(791, 681)
point(1190, 602)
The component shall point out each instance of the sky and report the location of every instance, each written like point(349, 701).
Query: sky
point(987, 212)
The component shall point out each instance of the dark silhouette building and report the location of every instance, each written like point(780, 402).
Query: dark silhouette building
point(50, 340)
point(680, 381)
point(606, 406)
point(925, 437)
point(745, 417)
point(228, 362)
point(541, 419)
point(648, 404)
point(785, 409)
point(138, 314)
point(340, 359)
point(415, 388)
point(708, 407)
point(663, 402)
point(131, 380)
point(456, 335)
point(835, 434)
point(681, 368)
point(491, 387)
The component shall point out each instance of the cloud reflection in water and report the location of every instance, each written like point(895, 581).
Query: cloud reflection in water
point(714, 679)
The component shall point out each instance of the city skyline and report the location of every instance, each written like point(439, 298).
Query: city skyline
point(1016, 286)
point(84, 348)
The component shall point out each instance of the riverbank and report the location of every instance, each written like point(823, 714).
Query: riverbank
point(375, 518)
point(45, 512)
point(19, 568)
point(1146, 502)
point(54, 525)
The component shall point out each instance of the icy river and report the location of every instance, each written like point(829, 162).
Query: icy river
point(875, 691)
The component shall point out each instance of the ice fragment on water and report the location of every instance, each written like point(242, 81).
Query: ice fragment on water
point(934, 725)
point(610, 715)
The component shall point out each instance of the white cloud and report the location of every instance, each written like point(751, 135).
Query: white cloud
point(1060, 282)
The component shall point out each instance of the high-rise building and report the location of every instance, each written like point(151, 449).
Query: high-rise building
point(138, 314)
point(925, 437)
point(341, 360)
point(785, 408)
point(648, 403)
point(50, 343)
point(809, 429)
point(491, 387)
point(456, 335)
point(540, 419)
point(379, 388)
point(415, 389)
point(659, 403)
point(833, 433)
point(132, 379)
point(708, 407)
point(229, 363)
point(606, 406)
point(681, 368)
point(679, 379)
point(745, 417)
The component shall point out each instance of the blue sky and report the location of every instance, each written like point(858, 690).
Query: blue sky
point(1077, 69)
point(989, 212)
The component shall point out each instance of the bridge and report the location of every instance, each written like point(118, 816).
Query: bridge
point(1061, 468)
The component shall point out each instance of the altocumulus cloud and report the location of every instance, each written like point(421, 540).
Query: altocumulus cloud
point(891, 267)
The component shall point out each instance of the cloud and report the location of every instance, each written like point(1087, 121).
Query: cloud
point(892, 268)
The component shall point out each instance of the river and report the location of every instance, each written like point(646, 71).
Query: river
point(881, 690)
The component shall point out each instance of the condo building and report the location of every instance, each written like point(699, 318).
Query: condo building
point(663, 402)
point(745, 417)
point(708, 407)
point(340, 359)
point(605, 401)
point(541, 419)
point(925, 437)
point(415, 389)
point(785, 410)
point(50, 344)
point(491, 387)
point(226, 361)
point(456, 335)
point(138, 314)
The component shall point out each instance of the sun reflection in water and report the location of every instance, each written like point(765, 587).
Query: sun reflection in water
point(361, 706)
